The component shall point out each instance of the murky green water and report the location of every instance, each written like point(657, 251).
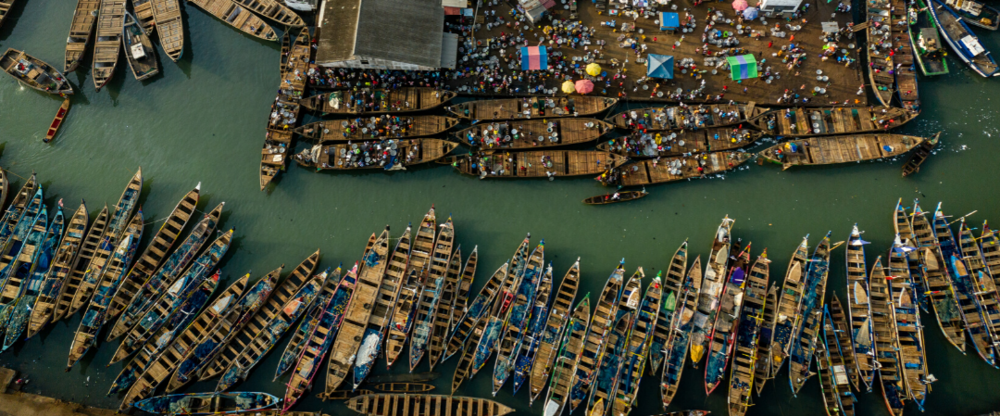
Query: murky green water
point(203, 120)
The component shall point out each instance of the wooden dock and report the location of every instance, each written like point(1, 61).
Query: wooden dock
point(839, 149)
point(536, 164)
point(532, 107)
point(534, 134)
point(376, 128)
point(804, 122)
point(647, 172)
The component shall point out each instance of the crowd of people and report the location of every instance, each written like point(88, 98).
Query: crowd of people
point(391, 154)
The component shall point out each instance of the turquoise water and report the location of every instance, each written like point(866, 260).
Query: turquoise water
point(202, 120)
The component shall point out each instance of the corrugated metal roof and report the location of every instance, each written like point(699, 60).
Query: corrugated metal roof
point(406, 31)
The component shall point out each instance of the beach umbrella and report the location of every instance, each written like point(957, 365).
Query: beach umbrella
point(593, 69)
point(750, 13)
point(584, 86)
point(568, 87)
point(740, 5)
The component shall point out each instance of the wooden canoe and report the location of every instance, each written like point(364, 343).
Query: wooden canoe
point(555, 325)
point(823, 121)
point(468, 351)
point(680, 143)
point(839, 149)
point(906, 75)
point(909, 330)
point(646, 172)
point(286, 50)
point(339, 395)
point(742, 376)
point(143, 10)
point(886, 342)
point(376, 101)
point(139, 50)
point(57, 121)
point(238, 17)
point(376, 128)
point(464, 338)
point(4, 188)
point(788, 303)
point(762, 368)
point(349, 336)
point(518, 316)
point(56, 278)
point(721, 336)
point(19, 293)
point(387, 155)
point(284, 112)
point(34, 72)
point(940, 291)
point(154, 255)
point(435, 274)
point(831, 399)
point(425, 404)
point(839, 354)
point(594, 346)
point(461, 304)
point(5, 7)
point(637, 349)
point(810, 316)
point(676, 349)
point(533, 134)
point(568, 358)
point(920, 155)
point(882, 82)
point(610, 368)
point(404, 387)
point(125, 206)
point(859, 311)
point(274, 10)
point(12, 216)
point(169, 27)
point(403, 310)
point(685, 117)
point(531, 107)
point(616, 197)
point(80, 31)
point(526, 353)
point(107, 47)
point(78, 266)
point(671, 292)
point(442, 319)
point(535, 164)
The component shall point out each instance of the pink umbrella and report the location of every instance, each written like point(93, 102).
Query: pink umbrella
point(584, 86)
point(740, 5)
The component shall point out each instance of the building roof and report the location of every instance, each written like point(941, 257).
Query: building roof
point(408, 31)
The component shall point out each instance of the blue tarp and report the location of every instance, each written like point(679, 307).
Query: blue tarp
point(669, 21)
point(660, 66)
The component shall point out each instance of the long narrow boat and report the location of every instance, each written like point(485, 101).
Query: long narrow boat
point(34, 72)
point(886, 341)
point(81, 29)
point(376, 128)
point(4, 188)
point(34, 260)
point(212, 364)
point(727, 321)
point(532, 107)
point(476, 311)
point(169, 27)
point(348, 341)
point(806, 335)
point(841, 358)
point(788, 304)
point(404, 387)
point(285, 111)
point(975, 13)
point(961, 39)
point(713, 283)
point(527, 349)
point(601, 323)
point(904, 230)
point(286, 50)
point(110, 22)
point(678, 343)
point(379, 322)
point(442, 313)
point(12, 215)
point(404, 308)
point(375, 101)
point(686, 117)
point(837, 396)
point(273, 10)
point(233, 302)
point(567, 359)
point(139, 50)
point(550, 336)
point(391, 154)
point(641, 145)
point(602, 392)
point(425, 404)
point(189, 308)
point(518, 316)
point(237, 17)
point(76, 268)
point(674, 169)
point(742, 375)
point(467, 346)
point(54, 282)
point(309, 362)
point(169, 303)
point(671, 291)
point(616, 197)
point(146, 279)
point(430, 295)
point(192, 351)
point(906, 75)
point(208, 403)
point(533, 134)
point(919, 156)
point(144, 12)
point(839, 149)
point(535, 164)
point(240, 367)
point(926, 43)
point(824, 121)
point(125, 206)
point(310, 319)
point(909, 331)
point(28, 234)
point(957, 271)
point(939, 289)
point(860, 312)
point(637, 349)
point(990, 248)
point(879, 19)
point(111, 274)
point(984, 288)
point(460, 306)
point(762, 365)
point(57, 121)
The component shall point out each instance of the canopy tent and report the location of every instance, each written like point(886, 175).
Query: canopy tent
point(742, 66)
point(534, 58)
point(660, 66)
point(669, 21)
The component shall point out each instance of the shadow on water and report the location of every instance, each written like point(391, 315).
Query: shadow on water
point(12, 16)
point(117, 81)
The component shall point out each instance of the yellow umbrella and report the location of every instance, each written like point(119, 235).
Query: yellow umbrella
point(593, 69)
point(568, 87)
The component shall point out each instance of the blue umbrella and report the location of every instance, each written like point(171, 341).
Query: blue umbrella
point(750, 13)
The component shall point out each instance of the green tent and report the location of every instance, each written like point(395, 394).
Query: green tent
point(742, 67)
